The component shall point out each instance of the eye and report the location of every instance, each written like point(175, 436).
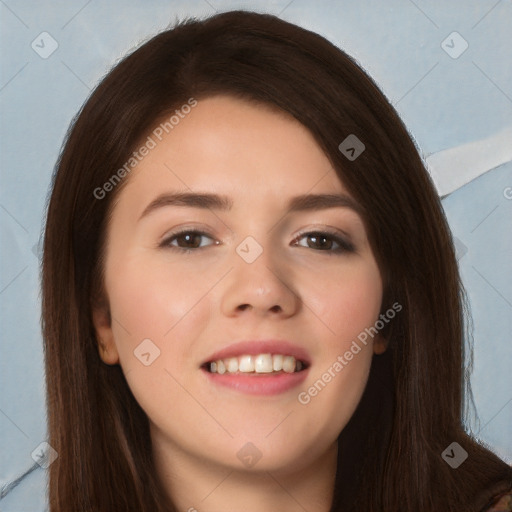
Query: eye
point(326, 242)
point(187, 240)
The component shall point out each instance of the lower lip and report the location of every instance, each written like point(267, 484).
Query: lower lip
point(258, 384)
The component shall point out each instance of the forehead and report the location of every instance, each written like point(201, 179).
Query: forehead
point(230, 146)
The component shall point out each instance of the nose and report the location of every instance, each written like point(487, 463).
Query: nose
point(262, 288)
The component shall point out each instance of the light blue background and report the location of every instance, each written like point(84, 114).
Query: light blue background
point(444, 102)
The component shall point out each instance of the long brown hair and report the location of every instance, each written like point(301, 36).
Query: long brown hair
point(413, 406)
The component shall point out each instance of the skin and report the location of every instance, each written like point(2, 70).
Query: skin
point(192, 304)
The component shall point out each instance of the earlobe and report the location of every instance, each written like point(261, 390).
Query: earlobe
point(380, 344)
point(103, 327)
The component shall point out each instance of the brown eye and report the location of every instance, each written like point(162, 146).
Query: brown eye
point(320, 241)
point(190, 240)
point(326, 242)
point(186, 240)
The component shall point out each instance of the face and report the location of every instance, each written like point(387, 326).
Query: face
point(256, 280)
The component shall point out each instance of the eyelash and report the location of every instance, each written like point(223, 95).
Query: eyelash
point(344, 245)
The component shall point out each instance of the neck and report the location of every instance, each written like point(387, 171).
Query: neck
point(201, 485)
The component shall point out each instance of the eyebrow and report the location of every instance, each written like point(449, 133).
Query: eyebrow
point(211, 201)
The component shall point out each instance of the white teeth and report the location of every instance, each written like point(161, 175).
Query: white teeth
point(277, 362)
point(261, 363)
point(289, 364)
point(246, 364)
point(232, 365)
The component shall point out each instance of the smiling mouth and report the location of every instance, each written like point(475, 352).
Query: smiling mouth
point(260, 364)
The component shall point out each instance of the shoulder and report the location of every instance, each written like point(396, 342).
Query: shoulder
point(501, 503)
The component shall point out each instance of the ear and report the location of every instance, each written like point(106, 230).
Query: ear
point(103, 327)
point(380, 344)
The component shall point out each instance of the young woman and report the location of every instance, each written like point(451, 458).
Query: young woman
point(250, 294)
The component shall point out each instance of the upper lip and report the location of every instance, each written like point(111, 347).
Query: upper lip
point(255, 347)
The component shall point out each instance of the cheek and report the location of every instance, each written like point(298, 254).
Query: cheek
point(334, 392)
point(347, 302)
point(346, 305)
point(148, 301)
